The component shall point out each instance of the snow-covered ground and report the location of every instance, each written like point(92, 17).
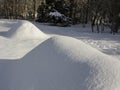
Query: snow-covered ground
point(105, 41)
point(46, 59)
point(17, 38)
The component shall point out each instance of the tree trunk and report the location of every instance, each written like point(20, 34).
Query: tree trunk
point(34, 9)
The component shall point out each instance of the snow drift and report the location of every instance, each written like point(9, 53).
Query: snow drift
point(61, 63)
point(23, 30)
point(18, 37)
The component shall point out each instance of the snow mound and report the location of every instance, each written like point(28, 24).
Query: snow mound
point(61, 63)
point(24, 30)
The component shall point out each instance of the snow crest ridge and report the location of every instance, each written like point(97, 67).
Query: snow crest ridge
point(24, 30)
point(61, 63)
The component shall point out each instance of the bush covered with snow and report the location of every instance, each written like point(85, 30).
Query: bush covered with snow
point(59, 19)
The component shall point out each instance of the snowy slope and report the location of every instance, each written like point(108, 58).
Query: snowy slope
point(24, 30)
point(105, 41)
point(18, 37)
point(32, 60)
point(56, 64)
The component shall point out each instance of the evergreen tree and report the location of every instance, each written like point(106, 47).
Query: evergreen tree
point(41, 12)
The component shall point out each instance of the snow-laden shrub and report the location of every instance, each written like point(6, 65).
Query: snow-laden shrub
point(57, 18)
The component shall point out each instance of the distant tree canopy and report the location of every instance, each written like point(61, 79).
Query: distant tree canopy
point(50, 1)
point(80, 11)
point(19, 9)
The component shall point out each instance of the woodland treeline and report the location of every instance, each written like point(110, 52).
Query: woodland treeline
point(95, 12)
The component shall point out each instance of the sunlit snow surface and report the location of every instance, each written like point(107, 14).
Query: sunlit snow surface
point(105, 41)
point(49, 61)
point(18, 38)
